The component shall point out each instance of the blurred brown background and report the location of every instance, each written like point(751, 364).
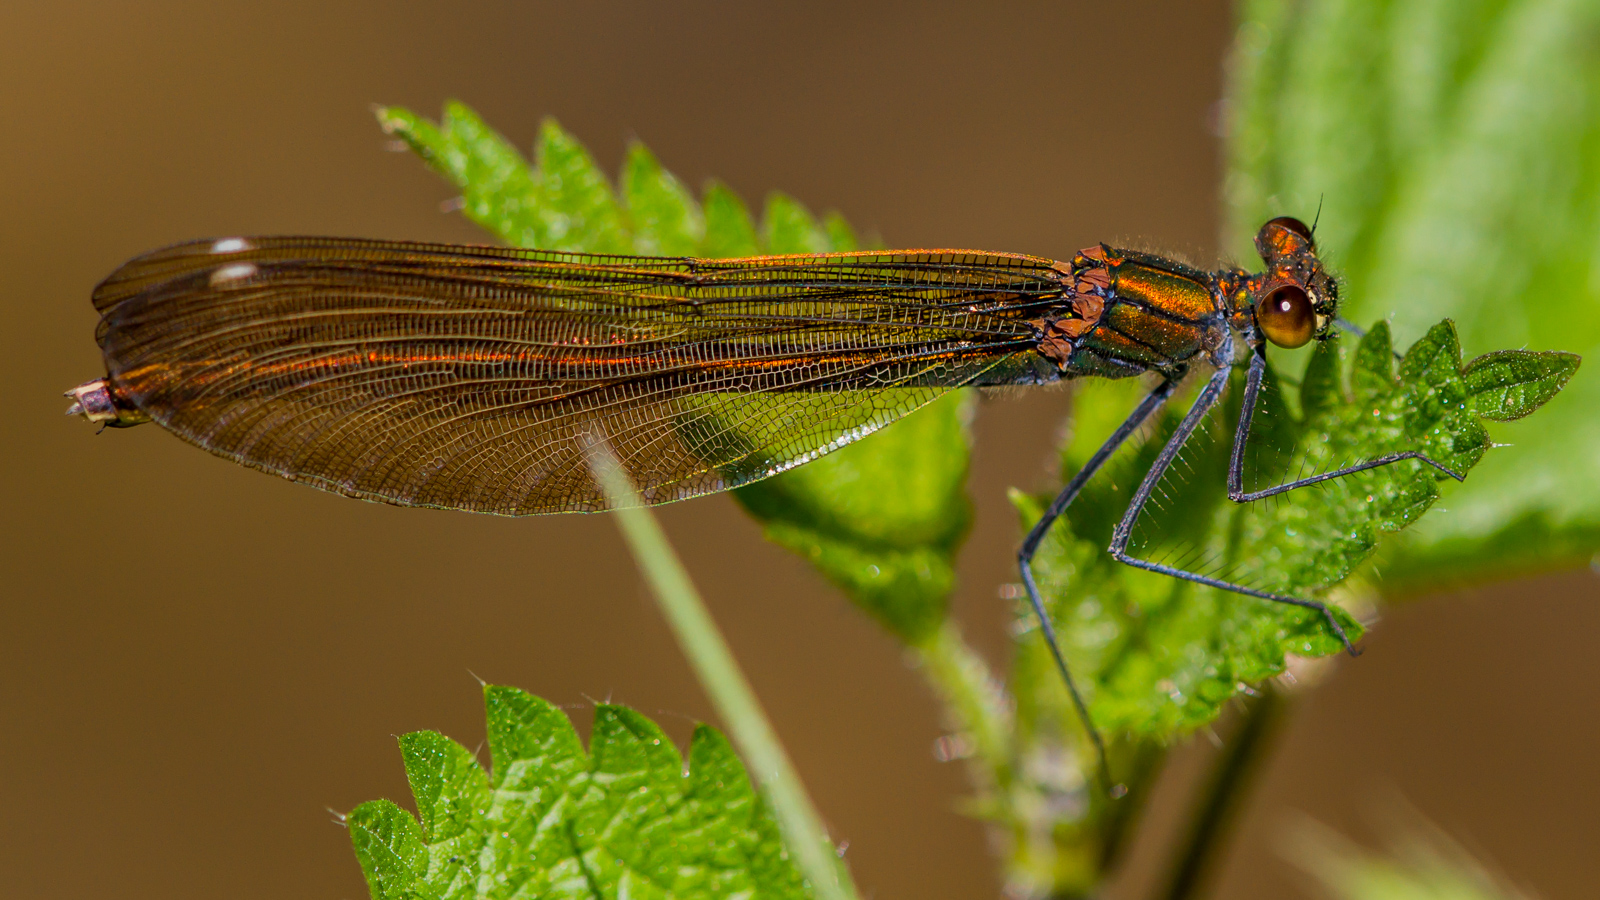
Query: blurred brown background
point(198, 661)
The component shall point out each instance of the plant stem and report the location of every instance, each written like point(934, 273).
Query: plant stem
point(720, 676)
point(1224, 794)
point(975, 703)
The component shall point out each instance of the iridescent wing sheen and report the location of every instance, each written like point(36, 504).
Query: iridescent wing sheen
point(474, 377)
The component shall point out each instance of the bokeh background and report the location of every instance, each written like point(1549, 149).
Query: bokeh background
point(198, 662)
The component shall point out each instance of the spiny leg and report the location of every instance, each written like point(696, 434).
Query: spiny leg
point(1124, 531)
point(1030, 546)
point(1236, 491)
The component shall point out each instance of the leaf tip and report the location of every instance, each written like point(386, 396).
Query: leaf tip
point(1510, 384)
point(397, 121)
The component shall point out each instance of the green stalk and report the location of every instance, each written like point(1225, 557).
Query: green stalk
point(722, 680)
point(1221, 797)
point(975, 703)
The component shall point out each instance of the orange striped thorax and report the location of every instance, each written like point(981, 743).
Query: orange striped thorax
point(1127, 312)
point(1132, 312)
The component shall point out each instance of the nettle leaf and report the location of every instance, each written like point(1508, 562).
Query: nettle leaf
point(841, 237)
point(578, 209)
point(1511, 384)
point(1454, 151)
point(729, 231)
point(790, 228)
point(1160, 656)
point(666, 220)
point(881, 518)
point(498, 188)
point(625, 819)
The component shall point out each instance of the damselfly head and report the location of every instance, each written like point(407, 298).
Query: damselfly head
point(1296, 299)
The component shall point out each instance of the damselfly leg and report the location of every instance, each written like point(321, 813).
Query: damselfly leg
point(1236, 491)
point(1030, 546)
point(1123, 533)
point(1210, 394)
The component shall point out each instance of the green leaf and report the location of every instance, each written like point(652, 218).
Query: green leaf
point(791, 229)
point(498, 188)
point(425, 139)
point(388, 843)
point(883, 517)
point(446, 781)
point(1510, 384)
point(549, 820)
point(1161, 656)
point(666, 218)
point(841, 237)
point(729, 231)
point(577, 208)
point(1374, 364)
point(1454, 150)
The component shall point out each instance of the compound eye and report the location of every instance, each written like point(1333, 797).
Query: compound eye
point(1286, 317)
point(1294, 225)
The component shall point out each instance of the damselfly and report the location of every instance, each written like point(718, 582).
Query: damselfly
point(475, 378)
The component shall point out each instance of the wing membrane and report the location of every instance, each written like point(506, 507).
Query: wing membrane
point(472, 377)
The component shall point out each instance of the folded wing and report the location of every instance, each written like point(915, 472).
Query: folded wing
point(474, 377)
